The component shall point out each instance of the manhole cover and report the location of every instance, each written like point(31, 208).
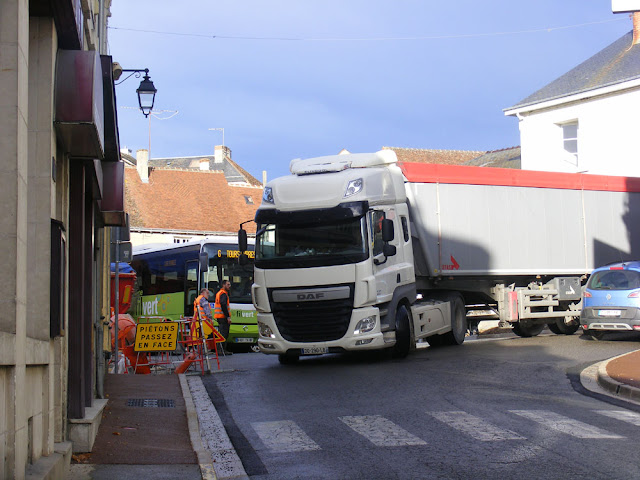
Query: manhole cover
point(151, 402)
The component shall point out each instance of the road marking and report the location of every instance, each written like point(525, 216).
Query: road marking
point(623, 415)
point(564, 424)
point(475, 427)
point(380, 431)
point(284, 436)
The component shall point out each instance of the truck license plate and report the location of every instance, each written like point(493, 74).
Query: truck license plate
point(609, 313)
point(245, 340)
point(315, 350)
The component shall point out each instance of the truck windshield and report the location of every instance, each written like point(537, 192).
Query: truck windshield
point(290, 246)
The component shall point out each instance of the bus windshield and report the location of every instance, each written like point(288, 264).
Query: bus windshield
point(224, 265)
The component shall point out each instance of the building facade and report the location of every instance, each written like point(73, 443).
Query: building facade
point(178, 199)
point(585, 120)
point(61, 188)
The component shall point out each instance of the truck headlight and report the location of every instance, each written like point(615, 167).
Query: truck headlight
point(265, 331)
point(353, 187)
point(365, 325)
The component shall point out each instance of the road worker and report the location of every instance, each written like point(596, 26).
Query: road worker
point(221, 311)
point(202, 312)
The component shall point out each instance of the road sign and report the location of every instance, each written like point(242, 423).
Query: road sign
point(156, 337)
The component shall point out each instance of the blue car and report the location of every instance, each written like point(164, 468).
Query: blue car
point(611, 300)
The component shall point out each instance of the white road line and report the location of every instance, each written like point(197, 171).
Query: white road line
point(475, 427)
point(564, 424)
point(284, 436)
point(623, 415)
point(380, 431)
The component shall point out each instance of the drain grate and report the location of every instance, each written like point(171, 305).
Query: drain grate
point(151, 402)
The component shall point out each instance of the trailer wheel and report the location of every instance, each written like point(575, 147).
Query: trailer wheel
point(528, 330)
point(288, 358)
point(560, 328)
point(403, 333)
point(458, 322)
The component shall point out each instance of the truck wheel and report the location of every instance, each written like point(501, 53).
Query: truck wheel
point(458, 322)
point(403, 333)
point(434, 341)
point(288, 358)
point(560, 328)
point(525, 331)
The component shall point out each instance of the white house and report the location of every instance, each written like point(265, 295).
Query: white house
point(587, 120)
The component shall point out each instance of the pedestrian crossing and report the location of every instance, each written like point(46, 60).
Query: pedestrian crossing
point(284, 436)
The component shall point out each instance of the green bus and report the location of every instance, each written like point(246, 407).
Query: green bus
point(170, 277)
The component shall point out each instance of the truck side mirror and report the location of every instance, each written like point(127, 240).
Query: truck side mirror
point(387, 230)
point(388, 250)
point(242, 240)
point(204, 261)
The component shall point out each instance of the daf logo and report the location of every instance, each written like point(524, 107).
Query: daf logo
point(310, 296)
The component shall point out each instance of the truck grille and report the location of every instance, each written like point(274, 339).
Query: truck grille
point(313, 321)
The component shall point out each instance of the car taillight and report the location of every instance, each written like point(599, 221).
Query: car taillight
point(635, 294)
point(587, 294)
point(616, 268)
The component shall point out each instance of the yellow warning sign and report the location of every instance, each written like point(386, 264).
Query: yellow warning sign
point(156, 337)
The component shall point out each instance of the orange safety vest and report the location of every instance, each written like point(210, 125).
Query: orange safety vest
point(218, 313)
point(198, 312)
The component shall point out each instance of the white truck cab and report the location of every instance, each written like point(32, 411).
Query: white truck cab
point(334, 260)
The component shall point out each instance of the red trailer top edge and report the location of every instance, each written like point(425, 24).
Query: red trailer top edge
point(467, 175)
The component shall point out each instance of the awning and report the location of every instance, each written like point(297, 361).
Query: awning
point(112, 203)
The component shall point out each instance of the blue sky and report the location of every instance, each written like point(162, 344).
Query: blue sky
point(301, 78)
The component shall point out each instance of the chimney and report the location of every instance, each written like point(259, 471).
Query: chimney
point(222, 152)
point(142, 164)
point(204, 164)
point(635, 16)
point(264, 177)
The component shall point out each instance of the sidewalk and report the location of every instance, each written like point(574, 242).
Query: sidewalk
point(149, 429)
point(620, 376)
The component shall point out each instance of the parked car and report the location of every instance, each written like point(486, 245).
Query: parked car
point(611, 300)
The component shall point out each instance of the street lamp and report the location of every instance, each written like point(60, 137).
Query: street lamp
point(146, 94)
point(146, 91)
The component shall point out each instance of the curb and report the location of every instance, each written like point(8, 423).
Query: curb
point(613, 386)
point(204, 457)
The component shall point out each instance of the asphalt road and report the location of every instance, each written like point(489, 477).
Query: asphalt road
point(500, 408)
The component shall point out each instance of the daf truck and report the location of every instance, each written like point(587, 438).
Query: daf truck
point(360, 252)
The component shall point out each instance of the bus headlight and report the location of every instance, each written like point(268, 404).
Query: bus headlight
point(265, 331)
point(365, 325)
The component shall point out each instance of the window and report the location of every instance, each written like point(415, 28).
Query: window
point(181, 239)
point(405, 228)
point(376, 231)
point(570, 140)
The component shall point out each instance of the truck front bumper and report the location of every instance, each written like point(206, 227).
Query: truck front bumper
point(271, 341)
